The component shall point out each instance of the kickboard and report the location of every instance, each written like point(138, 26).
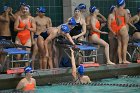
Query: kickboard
point(90, 65)
point(15, 71)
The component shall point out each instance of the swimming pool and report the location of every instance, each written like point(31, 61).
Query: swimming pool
point(92, 88)
point(95, 89)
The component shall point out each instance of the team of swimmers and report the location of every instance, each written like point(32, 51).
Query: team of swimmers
point(39, 33)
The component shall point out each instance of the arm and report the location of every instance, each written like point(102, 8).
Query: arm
point(109, 24)
point(50, 23)
point(16, 28)
point(126, 17)
point(20, 85)
point(88, 22)
point(73, 64)
point(69, 38)
point(83, 29)
point(12, 16)
point(33, 28)
point(132, 20)
point(102, 18)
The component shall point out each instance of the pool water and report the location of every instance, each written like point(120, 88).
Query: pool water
point(95, 89)
point(91, 88)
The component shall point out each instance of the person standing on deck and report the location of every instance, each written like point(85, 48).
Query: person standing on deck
point(24, 24)
point(112, 26)
point(123, 36)
point(42, 22)
point(5, 24)
point(52, 32)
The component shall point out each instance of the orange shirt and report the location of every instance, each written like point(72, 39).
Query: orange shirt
point(24, 35)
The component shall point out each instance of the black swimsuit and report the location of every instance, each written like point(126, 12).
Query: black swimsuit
point(76, 30)
point(137, 25)
point(44, 35)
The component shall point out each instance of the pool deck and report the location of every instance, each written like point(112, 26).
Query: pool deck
point(57, 75)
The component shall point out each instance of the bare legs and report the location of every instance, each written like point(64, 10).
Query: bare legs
point(123, 38)
point(35, 51)
point(94, 38)
point(113, 47)
point(41, 47)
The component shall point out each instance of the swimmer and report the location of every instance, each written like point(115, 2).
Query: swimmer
point(95, 32)
point(80, 77)
point(123, 37)
point(27, 84)
point(46, 37)
point(112, 25)
point(42, 22)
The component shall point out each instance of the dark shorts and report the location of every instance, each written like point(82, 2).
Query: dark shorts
point(5, 37)
point(44, 35)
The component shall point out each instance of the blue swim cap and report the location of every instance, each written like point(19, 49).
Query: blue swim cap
point(112, 8)
point(5, 8)
point(27, 69)
point(92, 9)
point(82, 6)
point(65, 28)
point(72, 21)
point(120, 2)
point(81, 70)
point(41, 9)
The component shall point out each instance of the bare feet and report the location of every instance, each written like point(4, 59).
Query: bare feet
point(126, 62)
point(110, 63)
point(120, 62)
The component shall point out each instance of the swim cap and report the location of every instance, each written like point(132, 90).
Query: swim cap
point(22, 4)
point(138, 10)
point(27, 69)
point(72, 21)
point(112, 8)
point(77, 8)
point(41, 9)
point(81, 70)
point(5, 8)
point(65, 28)
point(120, 2)
point(92, 9)
point(82, 6)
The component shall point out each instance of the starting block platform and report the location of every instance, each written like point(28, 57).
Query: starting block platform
point(11, 51)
